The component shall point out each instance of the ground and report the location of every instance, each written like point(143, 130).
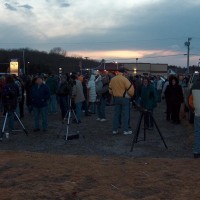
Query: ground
point(99, 165)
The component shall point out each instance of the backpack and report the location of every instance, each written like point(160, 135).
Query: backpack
point(10, 92)
point(63, 89)
point(9, 96)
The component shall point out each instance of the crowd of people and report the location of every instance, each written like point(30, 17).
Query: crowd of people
point(90, 94)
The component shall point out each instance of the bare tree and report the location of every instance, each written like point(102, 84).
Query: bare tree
point(58, 51)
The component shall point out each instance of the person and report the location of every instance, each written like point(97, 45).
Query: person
point(159, 87)
point(63, 95)
point(148, 101)
point(194, 102)
point(20, 97)
point(78, 96)
point(10, 94)
point(174, 96)
point(121, 89)
point(92, 94)
point(167, 101)
point(28, 85)
point(85, 92)
point(22, 100)
point(40, 95)
point(102, 97)
point(52, 83)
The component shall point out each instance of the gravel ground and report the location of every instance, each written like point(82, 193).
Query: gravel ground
point(96, 138)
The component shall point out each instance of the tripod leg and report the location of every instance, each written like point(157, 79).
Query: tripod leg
point(68, 124)
point(145, 125)
point(25, 131)
point(75, 116)
point(135, 139)
point(4, 126)
point(158, 130)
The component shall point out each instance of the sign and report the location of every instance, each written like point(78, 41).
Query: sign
point(14, 67)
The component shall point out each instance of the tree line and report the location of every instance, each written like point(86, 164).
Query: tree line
point(35, 61)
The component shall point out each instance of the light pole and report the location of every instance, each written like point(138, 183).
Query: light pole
point(187, 44)
point(136, 63)
point(27, 68)
point(24, 71)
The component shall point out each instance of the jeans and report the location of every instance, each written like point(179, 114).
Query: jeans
point(52, 106)
point(78, 110)
point(43, 112)
point(85, 107)
point(64, 105)
point(92, 107)
point(159, 92)
point(101, 106)
point(121, 108)
point(196, 135)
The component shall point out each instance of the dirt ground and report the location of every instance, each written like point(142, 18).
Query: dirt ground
point(99, 165)
point(45, 176)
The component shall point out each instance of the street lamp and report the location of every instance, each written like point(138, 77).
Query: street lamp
point(116, 64)
point(187, 44)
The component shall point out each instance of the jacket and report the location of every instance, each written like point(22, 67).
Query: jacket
point(119, 85)
point(92, 89)
point(77, 92)
point(174, 94)
point(148, 97)
point(40, 95)
point(196, 98)
point(52, 83)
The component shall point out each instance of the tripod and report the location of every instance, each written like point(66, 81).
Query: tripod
point(5, 121)
point(144, 113)
point(67, 118)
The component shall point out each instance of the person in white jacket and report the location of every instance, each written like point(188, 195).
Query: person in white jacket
point(194, 102)
point(92, 94)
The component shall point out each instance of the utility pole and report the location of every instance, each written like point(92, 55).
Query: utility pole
point(187, 44)
point(24, 71)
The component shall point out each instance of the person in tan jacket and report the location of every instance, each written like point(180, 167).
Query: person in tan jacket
point(122, 90)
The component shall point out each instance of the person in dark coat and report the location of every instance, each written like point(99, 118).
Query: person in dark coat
point(63, 93)
point(148, 101)
point(40, 96)
point(174, 97)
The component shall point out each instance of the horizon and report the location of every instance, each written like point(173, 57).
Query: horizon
point(107, 29)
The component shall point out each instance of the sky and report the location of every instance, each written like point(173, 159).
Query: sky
point(153, 31)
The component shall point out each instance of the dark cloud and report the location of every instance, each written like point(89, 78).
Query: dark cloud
point(61, 3)
point(64, 5)
point(26, 6)
point(10, 7)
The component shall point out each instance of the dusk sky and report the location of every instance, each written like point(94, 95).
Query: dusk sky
point(150, 30)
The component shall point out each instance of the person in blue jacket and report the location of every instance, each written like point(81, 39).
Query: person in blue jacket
point(148, 101)
point(40, 96)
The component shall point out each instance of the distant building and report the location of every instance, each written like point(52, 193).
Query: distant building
point(146, 68)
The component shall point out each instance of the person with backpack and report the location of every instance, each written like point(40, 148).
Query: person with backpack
point(40, 96)
point(10, 95)
point(63, 95)
point(121, 89)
